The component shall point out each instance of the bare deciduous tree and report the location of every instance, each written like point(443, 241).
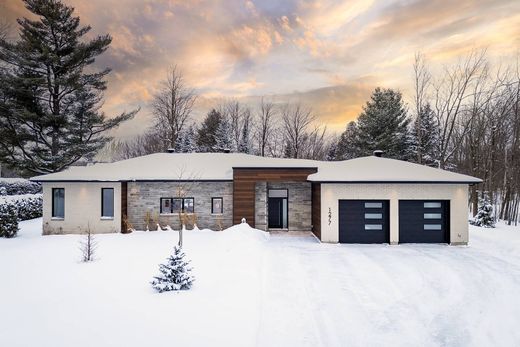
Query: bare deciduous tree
point(265, 125)
point(172, 106)
point(451, 94)
point(296, 119)
point(88, 246)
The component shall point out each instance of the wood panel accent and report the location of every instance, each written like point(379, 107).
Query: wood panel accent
point(244, 180)
point(316, 209)
point(124, 206)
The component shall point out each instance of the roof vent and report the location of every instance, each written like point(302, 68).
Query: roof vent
point(378, 153)
point(170, 150)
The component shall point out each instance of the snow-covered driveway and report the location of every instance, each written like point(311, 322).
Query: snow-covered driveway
point(406, 295)
point(255, 292)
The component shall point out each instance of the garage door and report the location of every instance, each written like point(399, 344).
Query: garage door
point(363, 221)
point(424, 221)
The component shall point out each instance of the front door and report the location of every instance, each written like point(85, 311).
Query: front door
point(277, 209)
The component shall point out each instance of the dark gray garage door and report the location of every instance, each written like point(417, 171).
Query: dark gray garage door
point(424, 221)
point(363, 221)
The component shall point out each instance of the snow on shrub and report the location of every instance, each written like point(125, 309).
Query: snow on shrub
point(175, 273)
point(18, 186)
point(8, 220)
point(484, 217)
point(28, 206)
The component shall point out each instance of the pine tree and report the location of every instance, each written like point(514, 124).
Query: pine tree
point(8, 220)
point(332, 152)
point(484, 217)
point(223, 137)
point(346, 147)
point(207, 131)
point(185, 142)
point(50, 97)
point(383, 125)
point(245, 142)
point(425, 137)
point(176, 274)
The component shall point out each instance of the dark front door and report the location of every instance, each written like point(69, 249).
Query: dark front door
point(277, 213)
point(423, 221)
point(364, 221)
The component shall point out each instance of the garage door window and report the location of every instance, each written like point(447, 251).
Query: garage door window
point(432, 227)
point(373, 215)
point(432, 216)
point(432, 205)
point(373, 204)
point(373, 227)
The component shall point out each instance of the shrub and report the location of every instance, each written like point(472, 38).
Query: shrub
point(18, 186)
point(175, 273)
point(8, 220)
point(28, 206)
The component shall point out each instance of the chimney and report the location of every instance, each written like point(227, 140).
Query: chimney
point(227, 150)
point(170, 150)
point(378, 153)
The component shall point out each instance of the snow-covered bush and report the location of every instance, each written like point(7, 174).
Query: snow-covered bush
point(176, 273)
point(28, 206)
point(484, 217)
point(18, 186)
point(8, 220)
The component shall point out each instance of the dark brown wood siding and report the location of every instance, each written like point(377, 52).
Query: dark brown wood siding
point(316, 209)
point(124, 206)
point(244, 180)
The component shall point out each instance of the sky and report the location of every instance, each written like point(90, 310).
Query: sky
point(326, 54)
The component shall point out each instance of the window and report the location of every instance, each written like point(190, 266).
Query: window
point(176, 205)
point(58, 202)
point(278, 193)
point(373, 205)
point(217, 206)
point(373, 227)
point(107, 202)
point(432, 216)
point(432, 227)
point(373, 215)
point(188, 205)
point(432, 205)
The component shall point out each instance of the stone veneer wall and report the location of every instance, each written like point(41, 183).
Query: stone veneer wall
point(300, 204)
point(145, 197)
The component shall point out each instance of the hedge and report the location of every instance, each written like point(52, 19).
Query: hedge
point(18, 186)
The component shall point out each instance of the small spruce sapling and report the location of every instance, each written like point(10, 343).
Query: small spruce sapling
point(175, 274)
point(88, 246)
point(484, 217)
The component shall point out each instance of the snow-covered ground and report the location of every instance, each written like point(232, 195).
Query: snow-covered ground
point(252, 290)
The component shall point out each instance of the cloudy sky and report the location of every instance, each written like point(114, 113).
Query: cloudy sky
point(326, 53)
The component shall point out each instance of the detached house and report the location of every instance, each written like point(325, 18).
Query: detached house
point(365, 200)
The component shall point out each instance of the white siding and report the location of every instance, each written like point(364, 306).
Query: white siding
point(82, 208)
point(331, 193)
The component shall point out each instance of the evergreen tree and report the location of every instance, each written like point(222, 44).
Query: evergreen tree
point(185, 142)
point(245, 142)
point(8, 220)
point(484, 217)
point(425, 137)
point(176, 274)
point(49, 111)
point(332, 152)
point(346, 147)
point(207, 131)
point(383, 125)
point(223, 137)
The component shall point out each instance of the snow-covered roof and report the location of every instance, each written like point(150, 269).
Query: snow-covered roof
point(219, 166)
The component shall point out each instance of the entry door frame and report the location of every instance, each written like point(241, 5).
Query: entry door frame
point(286, 198)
